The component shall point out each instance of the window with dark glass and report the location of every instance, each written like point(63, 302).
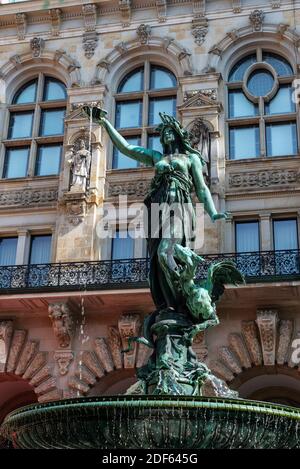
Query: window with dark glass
point(141, 96)
point(261, 110)
point(35, 130)
point(8, 251)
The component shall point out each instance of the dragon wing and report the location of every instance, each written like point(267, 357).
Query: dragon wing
point(220, 274)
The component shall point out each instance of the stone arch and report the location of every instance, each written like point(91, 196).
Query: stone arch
point(240, 42)
point(126, 56)
point(20, 68)
point(22, 358)
point(263, 346)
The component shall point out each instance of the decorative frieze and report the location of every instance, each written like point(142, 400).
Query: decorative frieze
point(237, 345)
point(144, 32)
point(136, 188)
point(55, 18)
point(250, 334)
point(285, 335)
point(275, 4)
point(37, 45)
point(6, 331)
point(21, 23)
point(37, 363)
point(114, 341)
point(30, 350)
point(28, 197)
point(256, 19)
point(230, 360)
point(125, 10)
point(89, 12)
point(211, 93)
point(63, 359)
point(265, 178)
point(89, 359)
point(267, 324)
point(129, 326)
point(104, 355)
point(16, 347)
point(62, 322)
point(161, 8)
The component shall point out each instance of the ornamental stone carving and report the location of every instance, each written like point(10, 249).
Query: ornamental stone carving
point(237, 345)
point(17, 344)
point(55, 18)
point(256, 19)
point(250, 334)
point(21, 23)
point(89, 359)
point(143, 33)
point(63, 359)
point(236, 6)
point(125, 9)
point(89, 43)
point(210, 93)
point(114, 341)
point(199, 8)
point(267, 324)
point(199, 32)
point(28, 197)
point(200, 347)
point(6, 331)
point(230, 360)
point(37, 45)
point(129, 326)
point(266, 178)
point(137, 188)
point(285, 335)
point(89, 12)
point(62, 323)
point(104, 354)
point(29, 351)
point(161, 8)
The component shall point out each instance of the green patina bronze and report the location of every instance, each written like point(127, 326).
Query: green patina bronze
point(183, 307)
point(153, 422)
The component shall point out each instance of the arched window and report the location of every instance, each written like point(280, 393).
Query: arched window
point(261, 111)
point(141, 95)
point(35, 131)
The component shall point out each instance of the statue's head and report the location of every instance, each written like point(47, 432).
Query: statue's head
point(172, 133)
point(82, 144)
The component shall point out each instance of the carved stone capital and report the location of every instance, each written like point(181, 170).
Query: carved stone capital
point(129, 326)
point(63, 359)
point(62, 323)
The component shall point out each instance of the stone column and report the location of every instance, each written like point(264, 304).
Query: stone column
point(23, 247)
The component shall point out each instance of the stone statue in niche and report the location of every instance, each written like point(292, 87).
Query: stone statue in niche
point(79, 158)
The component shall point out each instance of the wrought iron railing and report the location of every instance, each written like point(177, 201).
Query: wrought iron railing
point(133, 273)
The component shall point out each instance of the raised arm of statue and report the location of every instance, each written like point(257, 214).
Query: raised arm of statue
point(143, 155)
point(202, 191)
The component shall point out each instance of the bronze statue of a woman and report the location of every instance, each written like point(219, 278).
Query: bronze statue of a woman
point(183, 307)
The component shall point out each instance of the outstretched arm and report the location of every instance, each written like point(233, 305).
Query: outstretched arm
point(143, 155)
point(202, 191)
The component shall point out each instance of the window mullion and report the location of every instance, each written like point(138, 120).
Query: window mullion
point(262, 129)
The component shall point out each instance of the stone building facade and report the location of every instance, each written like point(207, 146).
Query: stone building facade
point(68, 301)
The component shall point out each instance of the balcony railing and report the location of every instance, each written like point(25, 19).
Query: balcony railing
point(133, 273)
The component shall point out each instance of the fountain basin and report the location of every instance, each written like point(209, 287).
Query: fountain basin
point(153, 422)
